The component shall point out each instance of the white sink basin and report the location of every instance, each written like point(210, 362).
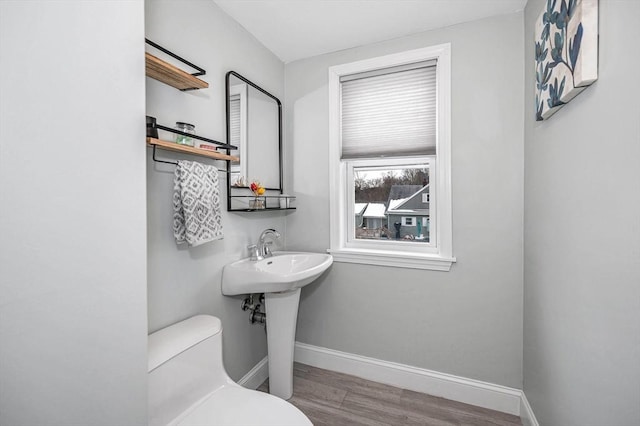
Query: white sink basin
point(282, 272)
point(280, 278)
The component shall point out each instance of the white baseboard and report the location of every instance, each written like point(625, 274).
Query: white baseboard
point(526, 413)
point(257, 375)
point(461, 389)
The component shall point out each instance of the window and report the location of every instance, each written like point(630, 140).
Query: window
point(408, 221)
point(373, 222)
point(390, 150)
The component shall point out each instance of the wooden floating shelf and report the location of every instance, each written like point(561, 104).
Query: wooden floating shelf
point(172, 146)
point(169, 74)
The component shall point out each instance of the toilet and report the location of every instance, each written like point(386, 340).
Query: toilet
point(189, 386)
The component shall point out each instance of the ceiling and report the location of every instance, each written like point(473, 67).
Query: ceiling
point(296, 29)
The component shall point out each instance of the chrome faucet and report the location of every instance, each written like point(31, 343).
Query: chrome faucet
point(263, 246)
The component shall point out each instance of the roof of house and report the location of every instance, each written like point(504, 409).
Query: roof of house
point(374, 210)
point(395, 204)
point(359, 207)
point(399, 192)
point(409, 212)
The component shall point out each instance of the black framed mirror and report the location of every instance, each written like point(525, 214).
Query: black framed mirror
point(254, 124)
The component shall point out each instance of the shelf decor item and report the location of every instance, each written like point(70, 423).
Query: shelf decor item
point(257, 203)
point(566, 53)
point(183, 139)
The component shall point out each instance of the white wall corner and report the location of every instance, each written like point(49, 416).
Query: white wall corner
point(256, 376)
point(526, 413)
point(461, 389)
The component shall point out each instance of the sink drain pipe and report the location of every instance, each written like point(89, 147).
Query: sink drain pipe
point(255, 313)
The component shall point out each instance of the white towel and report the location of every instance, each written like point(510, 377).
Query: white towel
point(196, 204)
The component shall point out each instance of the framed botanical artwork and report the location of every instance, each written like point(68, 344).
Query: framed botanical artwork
point(566, 53)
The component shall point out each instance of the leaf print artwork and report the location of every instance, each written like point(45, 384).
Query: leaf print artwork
point(566, 53)
point(574, 47)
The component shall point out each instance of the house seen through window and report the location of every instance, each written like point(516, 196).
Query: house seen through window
point(390, 203)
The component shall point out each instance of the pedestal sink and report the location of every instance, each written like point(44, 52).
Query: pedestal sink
point(280, 277)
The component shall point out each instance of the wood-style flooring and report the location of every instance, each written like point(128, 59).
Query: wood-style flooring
point(330, 398)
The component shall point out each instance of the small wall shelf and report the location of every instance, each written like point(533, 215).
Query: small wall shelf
point(172, 146)
point(163, 71)
point(270, 203)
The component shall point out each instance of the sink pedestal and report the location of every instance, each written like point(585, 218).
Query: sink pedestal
point(282, 314)
point(280, 278)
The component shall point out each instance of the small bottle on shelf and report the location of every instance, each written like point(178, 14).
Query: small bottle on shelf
point(186, 128)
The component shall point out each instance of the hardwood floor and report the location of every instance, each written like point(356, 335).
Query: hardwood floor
point(330, 398)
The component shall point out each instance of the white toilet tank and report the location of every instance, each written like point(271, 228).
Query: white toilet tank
point(189, 386)
point(185, 365)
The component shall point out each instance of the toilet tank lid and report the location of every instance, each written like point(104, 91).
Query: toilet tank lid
point(173, 340)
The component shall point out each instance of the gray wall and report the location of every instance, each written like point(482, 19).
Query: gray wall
point(468, 321)
point(186, 281)
point(582, 237)
point(73, 347)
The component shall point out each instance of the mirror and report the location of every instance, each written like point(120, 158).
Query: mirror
point(254, 125)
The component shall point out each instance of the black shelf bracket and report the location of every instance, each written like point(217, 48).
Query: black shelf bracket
point(174, 163)
point(152, 131)
point(201, 71)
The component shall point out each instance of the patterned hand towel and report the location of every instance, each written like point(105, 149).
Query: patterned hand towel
point(196, 204)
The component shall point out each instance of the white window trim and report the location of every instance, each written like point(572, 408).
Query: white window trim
point(441, 258)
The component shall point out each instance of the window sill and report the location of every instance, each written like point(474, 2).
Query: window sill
point(394, 259)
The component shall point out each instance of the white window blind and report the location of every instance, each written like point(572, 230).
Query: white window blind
point(234, 121)
point(389, 112)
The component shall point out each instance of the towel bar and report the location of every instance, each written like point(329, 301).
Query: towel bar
point(175, 163)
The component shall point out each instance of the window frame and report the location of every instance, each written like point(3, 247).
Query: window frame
point(439, 255)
